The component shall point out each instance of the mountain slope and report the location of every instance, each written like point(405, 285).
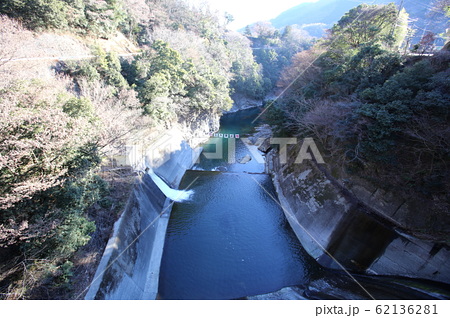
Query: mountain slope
point(318, 16)
point(324, 11)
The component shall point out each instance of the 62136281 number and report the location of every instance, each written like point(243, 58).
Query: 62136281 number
point(406, 309)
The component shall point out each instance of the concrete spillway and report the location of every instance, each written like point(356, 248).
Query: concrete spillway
point(129, 268)
point(172, 194)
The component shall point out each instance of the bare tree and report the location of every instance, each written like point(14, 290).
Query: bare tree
point(302, 69)
point(426, 44)
point(120, 116)
point(9, 29)
point(442, 5)
point(264, 29)
point(36, 138)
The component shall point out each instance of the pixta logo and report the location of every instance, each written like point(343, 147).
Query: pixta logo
point(308, 149)
point(163, 148)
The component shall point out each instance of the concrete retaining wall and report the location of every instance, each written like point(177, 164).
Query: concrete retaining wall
point(124, 271)
point(129, 268)
point(326, 217)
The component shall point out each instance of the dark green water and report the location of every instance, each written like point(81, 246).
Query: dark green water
point(236, 123)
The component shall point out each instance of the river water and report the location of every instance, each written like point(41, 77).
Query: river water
point(232, 240)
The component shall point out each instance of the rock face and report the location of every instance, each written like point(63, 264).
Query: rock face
point(354, 224)
point(288, 293)
point(241, 103)
point(246, 159)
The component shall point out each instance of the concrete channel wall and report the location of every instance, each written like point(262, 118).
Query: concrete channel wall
point(326, 221)
point(129, 268)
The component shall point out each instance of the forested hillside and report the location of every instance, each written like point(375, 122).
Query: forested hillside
point(317, 17)
point(377, 113)
point(273, 50)
point(56, 131)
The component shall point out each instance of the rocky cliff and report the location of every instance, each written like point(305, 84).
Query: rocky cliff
point(241, 102)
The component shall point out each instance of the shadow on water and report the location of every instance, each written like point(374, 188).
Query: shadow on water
point(357, 241)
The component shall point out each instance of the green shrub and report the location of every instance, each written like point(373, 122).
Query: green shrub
point(78, 107)
point(104, 66)
point(101, 18)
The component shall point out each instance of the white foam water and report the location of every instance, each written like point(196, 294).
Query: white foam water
point(172, 194)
